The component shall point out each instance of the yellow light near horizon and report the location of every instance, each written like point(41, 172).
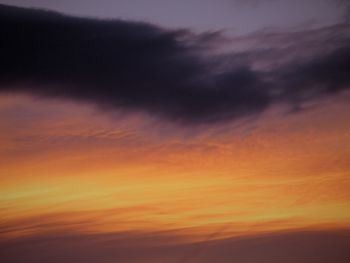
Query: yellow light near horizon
point(74, 169)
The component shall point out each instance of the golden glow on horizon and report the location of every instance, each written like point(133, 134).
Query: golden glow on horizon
point(67, 167)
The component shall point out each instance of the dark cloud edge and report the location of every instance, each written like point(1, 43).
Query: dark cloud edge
point(136, 66)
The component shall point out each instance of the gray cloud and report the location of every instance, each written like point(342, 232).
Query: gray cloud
point(172, 74)
point(299, 246)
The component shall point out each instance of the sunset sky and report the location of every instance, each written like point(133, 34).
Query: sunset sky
point(175, 131)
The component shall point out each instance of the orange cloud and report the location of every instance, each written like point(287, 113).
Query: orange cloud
point(66, 166)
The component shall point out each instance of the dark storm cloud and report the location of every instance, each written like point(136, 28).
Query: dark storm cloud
point(137, 66)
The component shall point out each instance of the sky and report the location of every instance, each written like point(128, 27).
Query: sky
point(174, 131)
point(233, 16)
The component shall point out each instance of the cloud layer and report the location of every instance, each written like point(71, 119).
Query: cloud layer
point(136, 66)
point(323, 247)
